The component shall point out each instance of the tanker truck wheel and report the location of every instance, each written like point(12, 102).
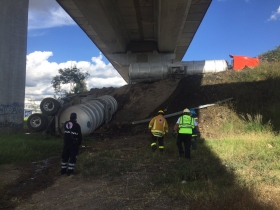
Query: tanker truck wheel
point(49, 106)
point(37, 122)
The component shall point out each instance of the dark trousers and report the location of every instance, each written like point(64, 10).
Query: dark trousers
point(160, 141)
point(69, 154)
point(186, 140)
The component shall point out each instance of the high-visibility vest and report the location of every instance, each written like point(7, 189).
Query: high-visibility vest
point(186, 124)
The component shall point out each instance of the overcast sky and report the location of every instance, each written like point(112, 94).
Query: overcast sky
point(239, 27)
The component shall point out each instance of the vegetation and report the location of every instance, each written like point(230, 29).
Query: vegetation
point(232, 173)
point(272, 55)
point(72, 76)
point(24, 148)
point(238, 168)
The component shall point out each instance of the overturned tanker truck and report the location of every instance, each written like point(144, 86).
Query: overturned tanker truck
point(91, 112)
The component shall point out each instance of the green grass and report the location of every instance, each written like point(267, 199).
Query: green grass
point(238, 170)
point(220, 172)
point(19, 148)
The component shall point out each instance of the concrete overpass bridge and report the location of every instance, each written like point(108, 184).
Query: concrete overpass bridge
point(138, 31)
point(125, 31)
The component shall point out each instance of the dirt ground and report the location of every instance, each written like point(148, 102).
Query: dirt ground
point(40, 186)
point(49, 190)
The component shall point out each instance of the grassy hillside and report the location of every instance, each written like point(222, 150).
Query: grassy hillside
point(237, 162)
point(256, 99)
point(236, 165)
point(256, 102)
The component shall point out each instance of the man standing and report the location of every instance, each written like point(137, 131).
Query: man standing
point(183, 128)
point(195, 131)
point(159, 127)
point(72, 141)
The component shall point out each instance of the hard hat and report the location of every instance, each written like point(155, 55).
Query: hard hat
point(160, 112)
point(192, 111)
point(186, 110)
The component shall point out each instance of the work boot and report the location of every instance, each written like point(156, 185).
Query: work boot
point(63, 171)
point(70, 171)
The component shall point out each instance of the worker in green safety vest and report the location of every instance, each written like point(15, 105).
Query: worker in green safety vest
point(184, 127)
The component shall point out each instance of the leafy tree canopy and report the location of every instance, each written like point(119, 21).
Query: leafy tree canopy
point(72, 76)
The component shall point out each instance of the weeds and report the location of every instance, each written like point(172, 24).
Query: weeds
point(232, 171)
point(238, 168)
point(220, 172)
point(19, 148)
point(255, 124)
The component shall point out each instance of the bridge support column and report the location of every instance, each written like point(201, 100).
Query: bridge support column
point(13, 44)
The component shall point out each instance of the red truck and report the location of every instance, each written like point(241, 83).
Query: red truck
point(240, 62)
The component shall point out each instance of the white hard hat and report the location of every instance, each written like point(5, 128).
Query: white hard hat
point(186, 110)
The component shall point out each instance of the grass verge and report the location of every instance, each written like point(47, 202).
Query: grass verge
point(229, 173)
point(19, 148)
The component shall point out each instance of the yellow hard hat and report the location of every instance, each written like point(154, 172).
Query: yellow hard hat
point(186, 110)
point(160, 112)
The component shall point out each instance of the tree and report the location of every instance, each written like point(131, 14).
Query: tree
point(72, 76)
point(80, 88)
point(272, 55)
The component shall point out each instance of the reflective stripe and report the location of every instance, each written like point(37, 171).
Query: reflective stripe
point(153, 144)
point(155, 124)
point(71, 164)
point(161, 147)
point(157, 133)
point(70, 168)
point(63, 165)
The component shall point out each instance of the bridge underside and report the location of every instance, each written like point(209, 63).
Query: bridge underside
point(137, 31)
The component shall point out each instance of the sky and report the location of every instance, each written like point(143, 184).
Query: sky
point(55, 41)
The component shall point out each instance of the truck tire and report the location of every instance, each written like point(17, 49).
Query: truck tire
point(49, 106)
point(37, 122)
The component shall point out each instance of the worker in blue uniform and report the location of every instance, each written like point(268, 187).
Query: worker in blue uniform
point(72, 142)
point(195, 131)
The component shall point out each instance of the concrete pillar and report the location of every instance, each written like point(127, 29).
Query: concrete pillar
point(13, 44)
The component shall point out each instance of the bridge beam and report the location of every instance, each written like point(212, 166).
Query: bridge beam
point(13, 42)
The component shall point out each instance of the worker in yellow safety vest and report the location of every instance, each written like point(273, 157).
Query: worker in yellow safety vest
point(184, 127)
point(159, 128)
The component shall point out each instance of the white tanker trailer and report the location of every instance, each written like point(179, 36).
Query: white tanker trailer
point(151, 72)
point(91, 113)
